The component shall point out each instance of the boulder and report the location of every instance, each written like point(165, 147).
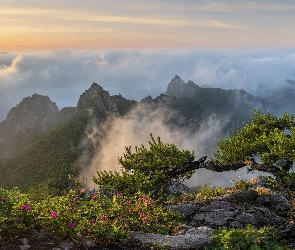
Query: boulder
point(194, 238)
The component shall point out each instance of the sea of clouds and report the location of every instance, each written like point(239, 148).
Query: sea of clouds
point(64, 75)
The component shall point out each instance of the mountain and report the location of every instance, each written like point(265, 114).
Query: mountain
point(25, 123)
point(47, 159)
point(40, 144)
point(178, 88)
point(99, 100)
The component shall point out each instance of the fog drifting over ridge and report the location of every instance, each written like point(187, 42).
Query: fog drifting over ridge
point(134, 130)
point(64, 75)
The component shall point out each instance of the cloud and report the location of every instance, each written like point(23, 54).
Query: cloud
point(64, 75)
point(7, 71)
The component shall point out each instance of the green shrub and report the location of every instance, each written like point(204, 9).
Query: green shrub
point(208, 192)
point(265, 238)
point(150, 170)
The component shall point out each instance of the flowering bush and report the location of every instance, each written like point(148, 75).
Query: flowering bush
point(16, 213)
point(101, 218)
point(78, 215)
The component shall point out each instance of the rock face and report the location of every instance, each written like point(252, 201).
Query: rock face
point(29, 113)
point(24, 122)
point(98, 100)
point(193, 238)
point(178, 88)
point(234, 210)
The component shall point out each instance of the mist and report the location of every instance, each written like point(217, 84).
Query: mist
point(134, 130)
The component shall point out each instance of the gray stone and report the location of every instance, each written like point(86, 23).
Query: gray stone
point(276, 202)
point(220, 218)
point(181, 230)
point(247, 196)
point(196, 238)
point(186, 210)
point(199, 217)
point(246, 218)
point(235, 224)
point(218, 205)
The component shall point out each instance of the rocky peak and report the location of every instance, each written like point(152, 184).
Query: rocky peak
point(24, 123)
point(178, 88)
point(98, 99)
point(29, 113)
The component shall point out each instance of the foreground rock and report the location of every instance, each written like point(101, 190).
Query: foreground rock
point(234, 210)
point(194, 238)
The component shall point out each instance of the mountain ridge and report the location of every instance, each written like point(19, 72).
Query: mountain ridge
point(191, 106)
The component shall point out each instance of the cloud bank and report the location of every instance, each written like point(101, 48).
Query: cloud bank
point(64, 75)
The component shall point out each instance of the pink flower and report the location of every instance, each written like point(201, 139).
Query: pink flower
point(54, 214)
point(119, 195)
point(103, 217)
point(103, 204)
point(72, 224)
point(26, 207)
point(83, 191)
point(94, 196)
point(4, 199)
point(143, 197)
point(72, 208)
point(143, 214)
point(122, 218)
point(130, 210)
point(93, 222)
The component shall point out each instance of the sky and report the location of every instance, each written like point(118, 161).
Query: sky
point(133, 47)
point(137, 24)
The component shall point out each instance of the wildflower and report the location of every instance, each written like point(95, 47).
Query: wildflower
point(26, 207)
point(72, 224)
point(143, 197)
point(83, 191)
point(103, 217)
point(54, 214)
point(127, 203)
point(122, 218)
point(150, 203)
point(143, 215)
point(72, 208)
point(146, 222)
point(119, 195)
point(4, 199)
point(130, 210)
point(94, 197)
point(156, 220)
point(93, 222)
point(103, 204)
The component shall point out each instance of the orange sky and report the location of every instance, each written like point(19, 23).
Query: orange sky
point(34, 25)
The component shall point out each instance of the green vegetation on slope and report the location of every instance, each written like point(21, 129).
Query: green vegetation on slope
point(48, 161)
